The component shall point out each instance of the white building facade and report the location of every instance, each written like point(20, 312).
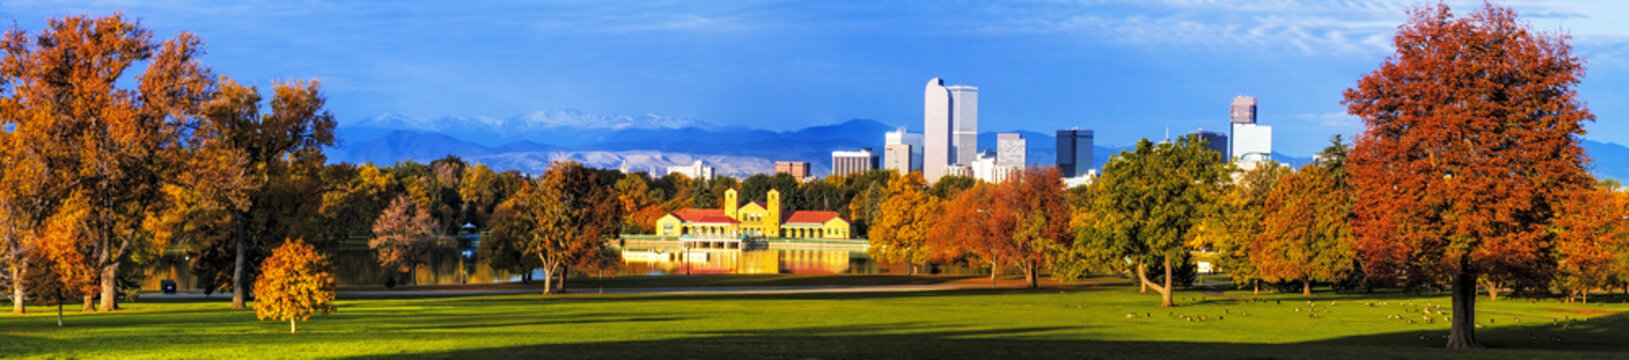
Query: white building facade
point(1011, 149)
point(911, 160)
point(697, 170)
point(950, 127)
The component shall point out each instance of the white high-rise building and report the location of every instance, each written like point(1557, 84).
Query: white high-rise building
point(912, 161)
point(950, 127)
point(964, 123)
point(1010, 150)
point(696, 171)
point(1252, 142)
point(988, 168)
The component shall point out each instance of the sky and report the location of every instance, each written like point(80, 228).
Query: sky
point(1126, 69)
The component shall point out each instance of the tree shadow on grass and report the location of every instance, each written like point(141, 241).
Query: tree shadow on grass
point(1597, 338)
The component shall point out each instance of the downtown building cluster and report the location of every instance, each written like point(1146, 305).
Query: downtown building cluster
point(949, 144)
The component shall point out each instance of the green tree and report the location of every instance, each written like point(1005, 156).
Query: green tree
point(1145, 206)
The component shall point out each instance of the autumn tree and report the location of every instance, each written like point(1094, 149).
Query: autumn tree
point(1237, 220)
point(1305, 233)
point(563, 221)
point(294, 283)
point(900, 234)
point(970, 228)
point(1145, 206)
point(125, 140)
point(1021, 223)
point(265, 149)
point(1471, 142)
point(406, 237)
point(1591, 229)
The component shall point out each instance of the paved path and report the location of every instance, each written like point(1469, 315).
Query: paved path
point(813, 289)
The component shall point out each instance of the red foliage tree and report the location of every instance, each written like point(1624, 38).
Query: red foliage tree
point(1471, 141)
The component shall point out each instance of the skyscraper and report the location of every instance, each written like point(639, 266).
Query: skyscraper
point(897, 157)
point(1074, 152)
point(1010, 150)
point(1244, 110)
point(964, 123)
point(1252, 142)
point(935, 130)
point(911, 160)
point(950, 127)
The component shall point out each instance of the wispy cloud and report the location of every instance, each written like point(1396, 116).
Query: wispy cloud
point(1305, 27)
point(1334, 120)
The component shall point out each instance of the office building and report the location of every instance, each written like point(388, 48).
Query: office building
point(897, 158)
point(950, 127)
point(1243, 110)
point(911, 160)
point(1075, 152)
point(1252, 142)
point(798, 169)
point(988, 168)
point(849, 162)
point(696, 171)
point(1010, 150)
point(1216, 141)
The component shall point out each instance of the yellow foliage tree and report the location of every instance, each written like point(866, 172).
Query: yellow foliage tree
point(294, 283)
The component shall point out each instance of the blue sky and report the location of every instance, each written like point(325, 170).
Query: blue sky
point(1127, 69)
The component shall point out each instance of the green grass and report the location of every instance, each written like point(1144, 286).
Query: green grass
point(1079, 322)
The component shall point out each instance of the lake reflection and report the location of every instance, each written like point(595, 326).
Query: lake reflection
point(358, 266)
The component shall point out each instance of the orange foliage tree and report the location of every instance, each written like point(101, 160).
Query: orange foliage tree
point(1471, 141)
point(1305, 235)
point(294, 283)
point(968, 228)
point(125, 141)
point(900, 234)
point(1592, 230)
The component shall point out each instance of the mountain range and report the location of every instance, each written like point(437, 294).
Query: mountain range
point(528, 143)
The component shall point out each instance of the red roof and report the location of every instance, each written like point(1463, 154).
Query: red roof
point(811, 217)
point(711, 216)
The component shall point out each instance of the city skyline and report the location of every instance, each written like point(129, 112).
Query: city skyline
point(1128, 70)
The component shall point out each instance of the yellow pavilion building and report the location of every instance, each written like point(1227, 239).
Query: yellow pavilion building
point(755, 219)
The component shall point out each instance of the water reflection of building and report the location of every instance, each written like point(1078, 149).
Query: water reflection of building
point(735, 261)
point(755, 219)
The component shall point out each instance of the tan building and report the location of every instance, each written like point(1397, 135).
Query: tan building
point(897, 158)
point(798, 169)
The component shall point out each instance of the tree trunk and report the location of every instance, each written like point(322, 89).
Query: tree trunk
point(1493, 290)
point(291, 325)
point(17, 286)
point(110, 287)
point(1306, 287)
point(1257, 283)
point(993, 273)
point(548, 280)
point(90, 303)
point(560, 288)
point(1165, 292)
point(1463, 333)
point(240, 262)
point(1030, 275)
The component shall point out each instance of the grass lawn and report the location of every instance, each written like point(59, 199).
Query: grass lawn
point(1079, 322)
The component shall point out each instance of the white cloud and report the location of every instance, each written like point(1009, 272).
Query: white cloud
point(1307, 27)
point(1338, 120)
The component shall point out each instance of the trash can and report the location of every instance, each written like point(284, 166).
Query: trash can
point(168, 286)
